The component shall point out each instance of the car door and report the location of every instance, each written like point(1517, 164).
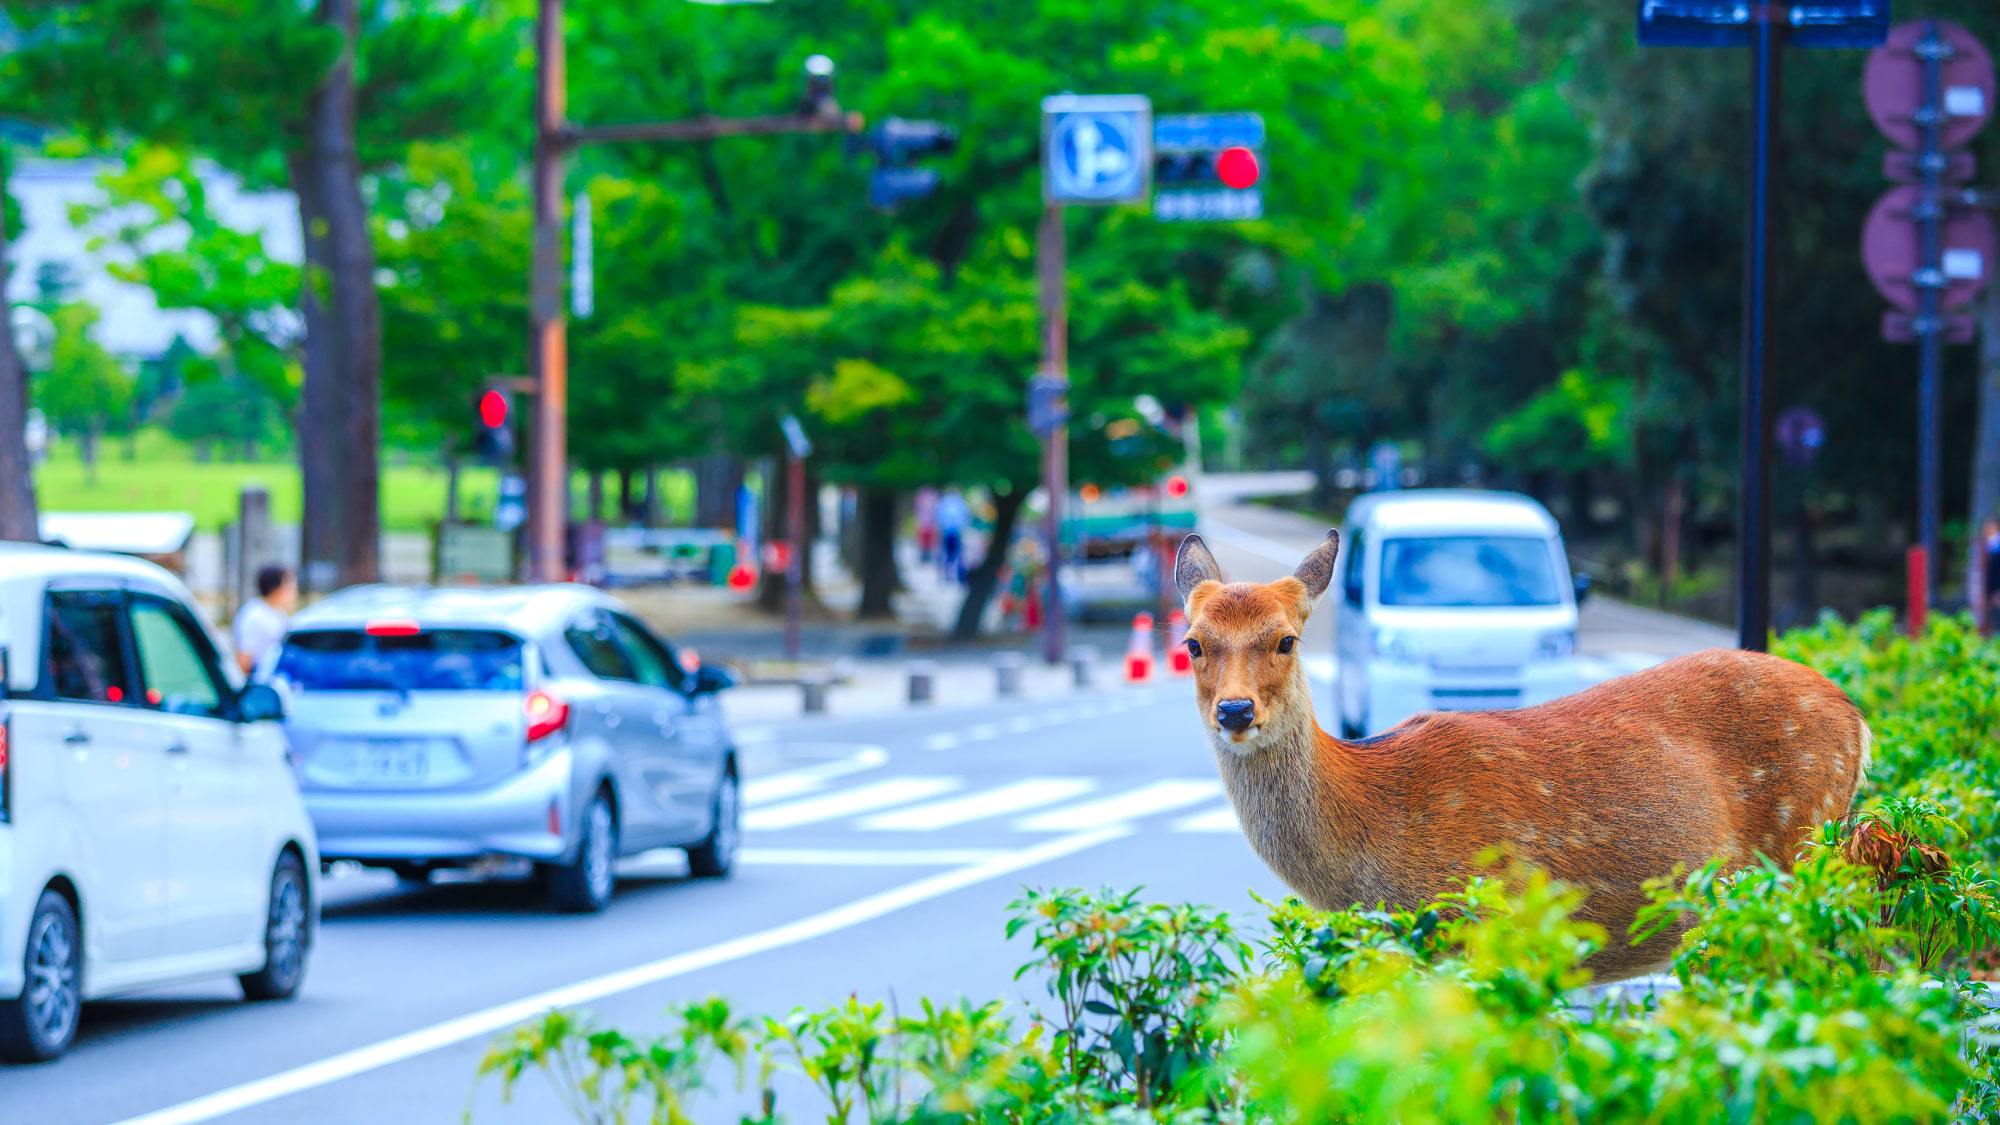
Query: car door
point(1350, 630)
point(622, 709)
point(85, 709)
point(685, 758)
point(217, 872)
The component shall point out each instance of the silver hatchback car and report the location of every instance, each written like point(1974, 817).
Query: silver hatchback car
point(449, 727)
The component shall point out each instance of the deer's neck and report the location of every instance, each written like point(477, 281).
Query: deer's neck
point(1302, 805)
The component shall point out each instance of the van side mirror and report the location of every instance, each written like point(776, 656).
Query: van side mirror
point(259, 703)
point(1582, 588)
point(712, 678)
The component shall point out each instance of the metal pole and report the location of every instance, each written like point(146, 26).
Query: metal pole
point(548, 499)
point(1930, 297)
point(1052, 299)
point(795, 529)
point(1753, 522)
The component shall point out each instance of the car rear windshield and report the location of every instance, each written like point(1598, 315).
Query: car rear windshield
point(1468, 570)
point(430, 660)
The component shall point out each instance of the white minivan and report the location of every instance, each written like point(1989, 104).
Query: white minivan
point(150, 827)
point(1451, 600)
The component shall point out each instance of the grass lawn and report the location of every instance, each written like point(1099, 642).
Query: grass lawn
point(163, 475)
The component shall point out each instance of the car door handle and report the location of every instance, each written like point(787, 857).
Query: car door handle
point(610, 719)
point(177, 747)
point(77, 737)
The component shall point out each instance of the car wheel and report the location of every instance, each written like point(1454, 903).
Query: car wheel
point(583, 886)
point(287, 936)
point(40, 1024)
point(715, 857)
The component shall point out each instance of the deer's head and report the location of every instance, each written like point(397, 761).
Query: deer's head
point(1244, 638)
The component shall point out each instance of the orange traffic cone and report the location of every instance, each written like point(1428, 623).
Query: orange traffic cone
point(1178, 660)
point(1139, 656)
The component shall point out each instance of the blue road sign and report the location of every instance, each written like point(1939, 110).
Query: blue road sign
point(1201, 132)
point(1096, 149)
point(1198, 205)
point(1727, 23)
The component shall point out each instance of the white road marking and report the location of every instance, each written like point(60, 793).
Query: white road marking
point(847, 802)
point(805, 779)
point(1160, 796)
point(1028, 793)
point(1021, 724)
point(410, 1044)
point(943, 740)
point(983, 732)
point(1255, 544)
point(1214, 820)
point(862, 857)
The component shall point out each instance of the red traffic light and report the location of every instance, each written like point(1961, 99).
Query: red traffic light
point(1237, 167)
point(1177, 486)
point(493, 410)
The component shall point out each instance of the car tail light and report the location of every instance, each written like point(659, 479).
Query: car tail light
point(6, 771)
point(396, 628)
point(546, 715)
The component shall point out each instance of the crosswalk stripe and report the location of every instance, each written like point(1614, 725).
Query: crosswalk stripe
point(1214, 820)
point(848, 802)
point(1158, 797)
point(943, 740)
point(1021, 724)
point(1028, 793)
point(982, 732)
point(805, 779)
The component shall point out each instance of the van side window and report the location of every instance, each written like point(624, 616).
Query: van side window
point(86, 655)
point(1357, 550)
point(176, 659)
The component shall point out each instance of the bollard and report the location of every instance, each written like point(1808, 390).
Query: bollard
point(1082, 665)
point(813, 688)
point(1007, 674)
point(923, 681)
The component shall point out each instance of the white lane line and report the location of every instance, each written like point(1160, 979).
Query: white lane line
point(805, 779)
point(863, 857)
point(1022, 724)
point(410, 1044)
point(943, 740)
point(1088, 711)
point(1028, 793)
point(848, 802)
point(1057, 716)
point(982, 732)
point(1160, 796)
point(1214, 820)
point(1256, 544)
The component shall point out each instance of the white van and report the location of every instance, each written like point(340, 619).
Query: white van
point(1451, 600)
point(151, 830)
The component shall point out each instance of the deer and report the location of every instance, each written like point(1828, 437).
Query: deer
point(1721, 754)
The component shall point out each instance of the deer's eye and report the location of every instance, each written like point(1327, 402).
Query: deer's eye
point(1285, 643)
point(1194, 647)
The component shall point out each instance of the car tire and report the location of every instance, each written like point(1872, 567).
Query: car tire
point(287, 935)
point(411, 876)
point(40, 1024)
point(584, 885)
point(715, 857)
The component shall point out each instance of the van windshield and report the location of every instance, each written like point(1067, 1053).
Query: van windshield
point(431, 660)
point(1468, 570)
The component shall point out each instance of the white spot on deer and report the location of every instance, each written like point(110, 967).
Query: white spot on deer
point(1757, 774)
point(1743, 795)
point(1808, 759)
point(1791, 728)
point(1784, 814)
point(1808, 703)
point(1547, 789)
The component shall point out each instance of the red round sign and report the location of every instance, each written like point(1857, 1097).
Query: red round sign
point(1894, 84)
point(1236, 167)
point(1890, 251)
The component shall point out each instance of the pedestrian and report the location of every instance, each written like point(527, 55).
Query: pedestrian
point(926, 514)
point(261, 622)
point(954, 515)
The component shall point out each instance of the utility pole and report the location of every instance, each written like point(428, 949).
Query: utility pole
point(1053, 304)
point(1753, 510)
point(548, 347)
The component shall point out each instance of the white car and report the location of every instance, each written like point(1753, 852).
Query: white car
point(1451, 600)
point(151, 830)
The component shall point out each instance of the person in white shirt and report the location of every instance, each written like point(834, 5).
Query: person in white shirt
point(261, 622)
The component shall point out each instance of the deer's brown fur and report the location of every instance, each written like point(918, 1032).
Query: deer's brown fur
point(1718, 754)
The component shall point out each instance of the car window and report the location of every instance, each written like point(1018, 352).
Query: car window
point(176, 661)
point(596, 644)
point(1468, 570)
point(426, 660)
point(656, 664)
point(86, 657)
point(1357, 550)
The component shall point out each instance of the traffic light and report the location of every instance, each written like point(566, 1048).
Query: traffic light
point(1208, 166)
point(895, 143)
point(494, 435)
point(1233, 167)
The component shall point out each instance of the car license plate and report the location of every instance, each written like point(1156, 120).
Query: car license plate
point(373, 762)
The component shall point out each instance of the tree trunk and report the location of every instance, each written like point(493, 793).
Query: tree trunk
point(1319, 460)
point(651, 514)
point(1671, 519)
point(18, 519)
point(594, 493)
point(340, 415)
point(879, 577)
point(625, 496)
point(985, 578)
point(87, 449)
point(450, 489)
point(716, 478)
point(1985, 446)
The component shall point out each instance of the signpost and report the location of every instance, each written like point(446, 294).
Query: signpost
point(798, 449)
point(1764, 29)
point(1929, 88)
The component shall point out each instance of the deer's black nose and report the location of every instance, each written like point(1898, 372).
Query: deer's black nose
point(1235, 714)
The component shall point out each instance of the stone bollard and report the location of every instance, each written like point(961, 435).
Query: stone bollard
point(813, 692)
point(923, 681)
point(1083, 665)
point(1007, 674)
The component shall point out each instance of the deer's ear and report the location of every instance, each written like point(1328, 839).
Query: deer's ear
point(1194, 565)
point(1316, 572)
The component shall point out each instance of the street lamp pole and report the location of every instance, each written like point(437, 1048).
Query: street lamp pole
point(1753, 522)
point(548, 352)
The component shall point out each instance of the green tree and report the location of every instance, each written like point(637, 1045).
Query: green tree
point(85, 388)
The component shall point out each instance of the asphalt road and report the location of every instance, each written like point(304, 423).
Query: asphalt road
point(882, 852)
